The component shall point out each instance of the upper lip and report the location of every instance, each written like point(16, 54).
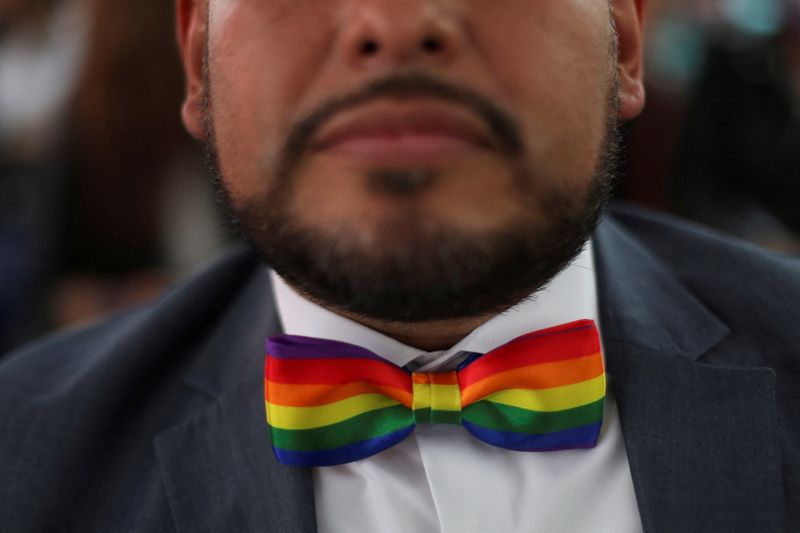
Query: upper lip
point(397, 118)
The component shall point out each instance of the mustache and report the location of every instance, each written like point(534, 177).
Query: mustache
point(501, 126)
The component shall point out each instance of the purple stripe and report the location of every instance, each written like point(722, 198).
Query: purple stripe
point(344, 454)
point(580, 437)
point(299, 347)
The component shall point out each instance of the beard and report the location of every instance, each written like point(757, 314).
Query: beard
point(415, 267)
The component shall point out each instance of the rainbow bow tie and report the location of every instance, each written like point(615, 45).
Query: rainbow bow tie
point(330, 402)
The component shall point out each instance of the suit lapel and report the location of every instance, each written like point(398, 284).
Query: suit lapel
point(220, 475)
point(701, 440)
point(218, 467)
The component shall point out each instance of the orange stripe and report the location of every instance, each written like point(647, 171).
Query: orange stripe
point(535, 377)
point(531, 350)
point(293, 395)
point(435, 378)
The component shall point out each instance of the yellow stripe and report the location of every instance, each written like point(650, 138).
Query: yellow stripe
point(445, 397)
point(436, 397)
point(422, 395)
point(554, 399)
point(284, 417)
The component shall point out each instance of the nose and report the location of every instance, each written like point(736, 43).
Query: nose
point(382, 33)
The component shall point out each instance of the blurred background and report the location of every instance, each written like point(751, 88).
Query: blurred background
point(105, 201)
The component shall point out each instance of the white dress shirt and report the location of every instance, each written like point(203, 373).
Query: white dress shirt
point(441, 478)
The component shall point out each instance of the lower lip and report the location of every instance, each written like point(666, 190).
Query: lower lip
point(416, 148)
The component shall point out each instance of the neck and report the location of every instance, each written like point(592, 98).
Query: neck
point(428, 336)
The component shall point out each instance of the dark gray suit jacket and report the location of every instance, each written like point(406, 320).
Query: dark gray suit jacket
point(154, 421)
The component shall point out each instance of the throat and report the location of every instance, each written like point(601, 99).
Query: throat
point(427, 336)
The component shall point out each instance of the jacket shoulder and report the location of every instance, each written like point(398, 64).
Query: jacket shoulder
point(67, 360)
point(754, 291)
point(79, 410)
point(694, 251)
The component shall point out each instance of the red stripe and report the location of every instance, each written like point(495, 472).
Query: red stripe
point(561, 343)
point(336, 371)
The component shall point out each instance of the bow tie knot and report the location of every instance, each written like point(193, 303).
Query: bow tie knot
point(437, 398)
point(330, 402)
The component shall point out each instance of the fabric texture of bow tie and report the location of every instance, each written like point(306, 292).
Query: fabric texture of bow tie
point(331, 402)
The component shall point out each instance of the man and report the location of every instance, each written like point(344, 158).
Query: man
point(424, 179)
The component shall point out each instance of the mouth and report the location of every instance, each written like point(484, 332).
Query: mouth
point(403, 132)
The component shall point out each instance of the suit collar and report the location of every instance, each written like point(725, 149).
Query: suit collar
point(220, 473)
point(237, 341)
point(218, 467)
point(643, 304)
point(701, 440)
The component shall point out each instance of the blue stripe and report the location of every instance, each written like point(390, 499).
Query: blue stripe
point(471, 358)
point(344, 454)
point(580, 437)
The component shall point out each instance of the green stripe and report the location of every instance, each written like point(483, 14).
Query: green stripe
point(359, 428)
point(501, 417)
point(437, 416)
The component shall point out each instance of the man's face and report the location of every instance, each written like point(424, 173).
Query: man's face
point(413, 159)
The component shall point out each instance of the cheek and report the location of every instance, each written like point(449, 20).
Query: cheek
point(554, 60)
point(262, 57)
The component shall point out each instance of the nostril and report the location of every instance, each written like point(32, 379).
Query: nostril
point(369, 47)
point(431, 45)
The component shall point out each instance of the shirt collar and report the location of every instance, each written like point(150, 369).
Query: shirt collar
point(571, 295)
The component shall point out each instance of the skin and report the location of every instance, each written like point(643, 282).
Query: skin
point(546, 63)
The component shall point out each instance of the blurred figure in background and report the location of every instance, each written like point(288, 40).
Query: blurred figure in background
point(92, 158)
point(43, 44)
point(675, 49)
point(738, 166)
point(719, 140)
point(129, 157)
